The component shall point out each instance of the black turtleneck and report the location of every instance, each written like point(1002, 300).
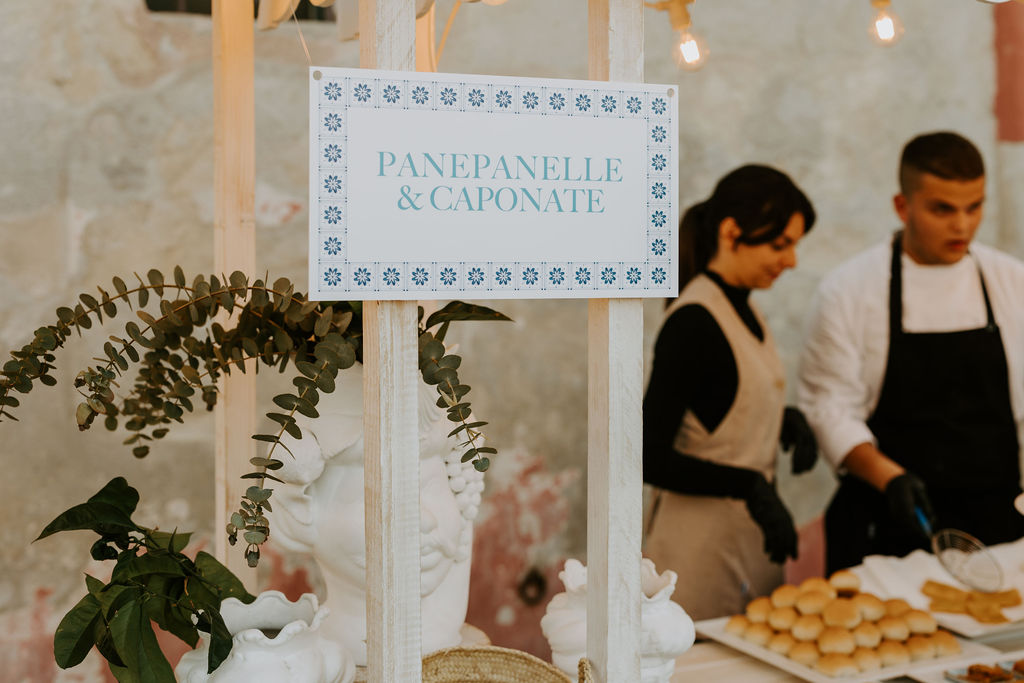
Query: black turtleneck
point(694, 369)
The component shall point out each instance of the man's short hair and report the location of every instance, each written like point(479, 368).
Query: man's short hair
point(946, 155)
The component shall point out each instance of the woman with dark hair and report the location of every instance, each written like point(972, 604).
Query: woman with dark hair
point(714, 412)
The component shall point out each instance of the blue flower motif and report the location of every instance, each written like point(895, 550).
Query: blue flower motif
point(633, 275)
point(503, 275)
point(658, 275)
point(658, 106)
point(420, 276)
point(332, 122)
point(448, 276)
point(659, 190)
point(332, 215)
point(608, 103)
point(332, 276)
point(362, 92)
point(659, 218)
point(633, 104)
point(332, 153)
point(582, 276)
point(448, 96)
point(332, 245)
point(530, 100)
point(659, 162)
point(476, 97)
point(420, 95)
point(556, 276)
point(583, 102)
point(391, 276)
point(530, 276)
point(476, 276)
point(658, 133)
point(361, 277)
point(659, 247)
point(391, 94)
point(332, 91)
point(608, 276)
point(332, 183)
point(503, 99)
point(556, 101)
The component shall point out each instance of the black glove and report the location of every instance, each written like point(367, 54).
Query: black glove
point(905, 495)
point(797, 434)
point(771, 515)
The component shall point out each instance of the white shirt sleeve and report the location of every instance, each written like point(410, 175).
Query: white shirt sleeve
point(831, 390)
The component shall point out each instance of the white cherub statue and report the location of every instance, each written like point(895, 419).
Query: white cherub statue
point(320, 511)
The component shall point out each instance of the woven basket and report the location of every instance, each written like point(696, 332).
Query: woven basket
point(488, 664)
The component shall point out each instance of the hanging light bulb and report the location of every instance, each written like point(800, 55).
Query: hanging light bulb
point(690, 51)
point(886, 28)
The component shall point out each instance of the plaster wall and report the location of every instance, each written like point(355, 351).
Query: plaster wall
point(106, 169)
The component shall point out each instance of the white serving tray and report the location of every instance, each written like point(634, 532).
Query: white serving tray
point(971, 652)
point(936, 673)
point(902, 577)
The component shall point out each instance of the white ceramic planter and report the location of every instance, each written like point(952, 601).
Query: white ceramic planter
point(666, 630)
point(296, 653)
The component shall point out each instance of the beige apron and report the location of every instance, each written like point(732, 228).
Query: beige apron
point(712, 543)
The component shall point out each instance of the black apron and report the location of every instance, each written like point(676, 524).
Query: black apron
point(944, 414)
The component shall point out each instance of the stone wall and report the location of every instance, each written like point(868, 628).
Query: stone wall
point(106, 168)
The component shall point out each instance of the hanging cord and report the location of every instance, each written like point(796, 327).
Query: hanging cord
point(447, 27)
point(301, 37)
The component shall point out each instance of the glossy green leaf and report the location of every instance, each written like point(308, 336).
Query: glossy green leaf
point(75, 633)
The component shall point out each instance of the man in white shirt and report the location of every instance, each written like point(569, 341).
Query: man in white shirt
point(912, 376)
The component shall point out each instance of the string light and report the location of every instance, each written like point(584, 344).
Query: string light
point(690, 52)
point(886, 28)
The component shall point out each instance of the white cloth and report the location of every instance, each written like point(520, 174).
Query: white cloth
point(847, 337)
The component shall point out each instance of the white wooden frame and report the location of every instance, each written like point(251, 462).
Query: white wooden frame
point(615, 329)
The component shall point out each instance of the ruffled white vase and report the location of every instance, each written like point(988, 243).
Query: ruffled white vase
point(274, 640)
point(666, 631)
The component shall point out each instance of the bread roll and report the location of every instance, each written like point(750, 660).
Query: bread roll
point(896, 607)
point(841, 612)
point(870, 606)
point(812, 602)
point(894, 628)
point(808, 627)
point(782, 618)
point(781, 643)
point(785, 596)
point(758, 610)
point(805, 653)
point(845, 582)
point(893, 653)
point(758, 634)
point(867, 659)
point(836, 640)
point(920, 622)
point(920, 647)
point(867, 635)
point(945, 644)
point(816, 583)
point(838, 666)
point(737, 624)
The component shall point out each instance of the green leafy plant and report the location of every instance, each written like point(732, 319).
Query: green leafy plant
point(213, 326)
point(152, 582)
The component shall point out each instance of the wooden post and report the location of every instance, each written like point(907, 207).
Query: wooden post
point(615, 384)
point(234, 249)
point(390, 426)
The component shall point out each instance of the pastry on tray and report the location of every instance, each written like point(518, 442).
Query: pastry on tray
point(830, 626)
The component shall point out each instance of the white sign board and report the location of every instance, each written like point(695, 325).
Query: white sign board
point(432, 186)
